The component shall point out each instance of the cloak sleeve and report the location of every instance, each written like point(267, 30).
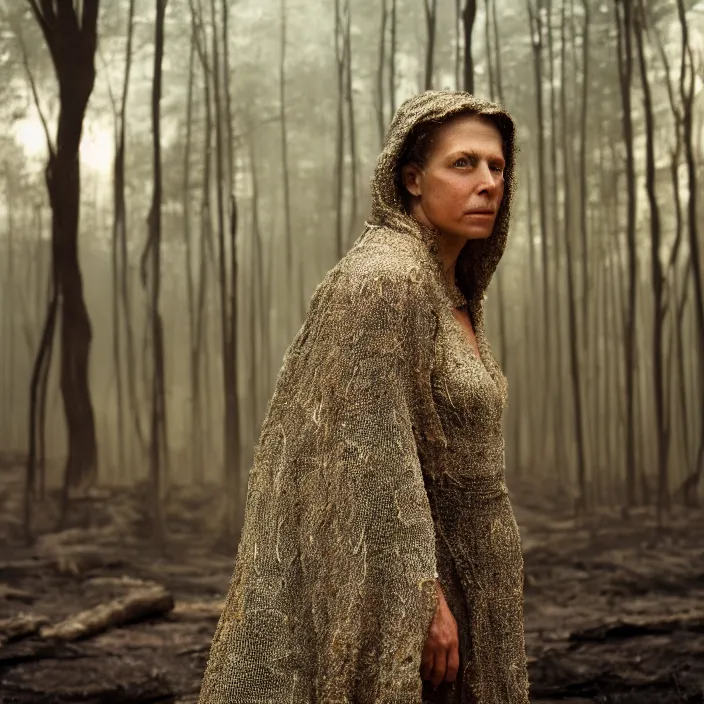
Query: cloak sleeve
point(373, 534)
point(333, 590)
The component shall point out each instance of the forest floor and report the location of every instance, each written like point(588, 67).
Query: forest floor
point(614, 607)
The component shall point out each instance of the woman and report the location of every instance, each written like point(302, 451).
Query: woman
point(380, 560)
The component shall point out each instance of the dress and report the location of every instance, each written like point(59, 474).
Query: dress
point(479, 558)
point(379, 468)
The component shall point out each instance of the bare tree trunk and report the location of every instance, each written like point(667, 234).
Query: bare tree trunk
point(72, 43)
point(537, 44)
point(469, 14)
point(488, 39)
point(497, 55)
point(559, 418)
point(574, 338)
point(503, 322)
point(431, 17)
point(351, 128)
point(201, 342)
point(380, 117)
point(583, 182)
point(284, 156)
point(121, 265)
point(196, 429)
point(673, 296)
point(624, 25)
point(9, 319)
point(458, 45)
point(590, 315)
point(151, 278)
point(37, 406)
point(392, 62)
point(340, 54)
point(237, 478)
point(687, 95)
point(260, 360)
point(228, 316)
point(662, 434)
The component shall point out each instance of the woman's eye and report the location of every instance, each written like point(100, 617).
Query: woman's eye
point(461, 162)
point(497, 169)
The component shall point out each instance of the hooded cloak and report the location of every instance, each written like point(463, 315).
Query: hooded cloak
point(379, 468)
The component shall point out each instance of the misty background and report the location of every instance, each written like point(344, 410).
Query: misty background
point(225, 154)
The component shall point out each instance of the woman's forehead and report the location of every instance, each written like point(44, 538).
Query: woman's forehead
point(473, 133)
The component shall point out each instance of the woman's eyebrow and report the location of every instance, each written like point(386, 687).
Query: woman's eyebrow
point(475, 155)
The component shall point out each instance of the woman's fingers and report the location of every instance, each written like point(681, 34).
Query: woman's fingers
point(453, 664)
point(439, 667)
point(426, 663)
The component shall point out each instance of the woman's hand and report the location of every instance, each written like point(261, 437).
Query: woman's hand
point(441, 656)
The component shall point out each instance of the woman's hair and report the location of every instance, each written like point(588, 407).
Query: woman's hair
point(420, 141)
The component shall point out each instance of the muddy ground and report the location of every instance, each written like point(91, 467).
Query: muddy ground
point(614, 607)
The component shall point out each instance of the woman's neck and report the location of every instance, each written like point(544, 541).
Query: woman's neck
point(449, 246)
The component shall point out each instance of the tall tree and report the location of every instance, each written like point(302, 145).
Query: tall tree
point(469, 14)
point(233, 450)
point(392, 61)
point(339, 176)
point(196, 420)
point(351, 125)
point(288, 234)
point(536, 32)
point(120, 267)
point(70, 31)
point(380, 116)
point(624, 32)
point(687, 96)
point(227, 274)
point(657, 275)
point(431, 20)
point(151, 277)
point(574, 336)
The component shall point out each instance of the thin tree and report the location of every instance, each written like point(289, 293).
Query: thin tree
point(227, 290)
point(677, 288)
point(469, 14)
point(458, 44)
point(196, 421)
point(235, 476)
point(687, 96)
point(488, 42)
point(431, 20)
point(574, 336)
point(624, 29)
point(120, 265)
point(392, 61)
point(340, 54)
point(536, 31)
point(351, 125)
point(657, 275)
point(201, 341)
point(151, 279)
point(71, 36)
point(380, 116)
point(288, 234)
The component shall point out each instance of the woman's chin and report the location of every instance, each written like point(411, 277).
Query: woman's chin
point(476, 233)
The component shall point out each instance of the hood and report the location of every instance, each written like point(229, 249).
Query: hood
point(478, 259)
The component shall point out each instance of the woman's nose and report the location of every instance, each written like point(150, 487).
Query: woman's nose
point(486, 181)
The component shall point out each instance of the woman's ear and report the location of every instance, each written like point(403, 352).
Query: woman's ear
point(411, 179)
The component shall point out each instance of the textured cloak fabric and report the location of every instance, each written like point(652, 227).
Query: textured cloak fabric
point(380, 466)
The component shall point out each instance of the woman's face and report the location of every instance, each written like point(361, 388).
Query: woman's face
point(459, 190)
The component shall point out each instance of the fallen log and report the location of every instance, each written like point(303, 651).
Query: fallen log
point(20, 626)
point(135, 606)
